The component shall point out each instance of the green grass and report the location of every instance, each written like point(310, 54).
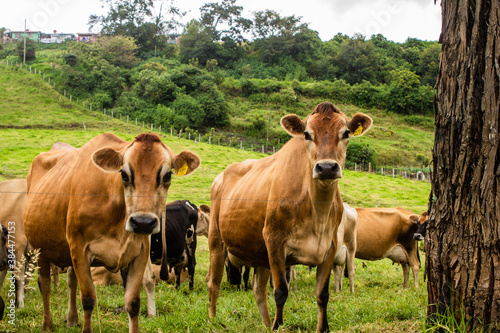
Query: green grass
point(379, 304)
point(33, 116)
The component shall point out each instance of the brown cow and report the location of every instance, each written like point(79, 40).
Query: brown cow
point(284, 209)
point(12, 201)
point(346, 248)
point(97, 205)
point(388, 233)
point(13, 197)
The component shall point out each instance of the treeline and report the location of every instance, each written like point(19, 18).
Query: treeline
point(266, 59)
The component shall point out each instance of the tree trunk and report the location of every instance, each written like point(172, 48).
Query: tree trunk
point(462, 246)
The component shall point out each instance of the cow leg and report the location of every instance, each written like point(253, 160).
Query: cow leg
point(337, 277)
point(81, 267)
point(322, 293)
point(55, 274)
point(148, 282)
point(246, 276)
point(351, 269)
point(259, 285)
point(177, 271)
point(280, 287)
point(406, 275)
point(44, 285)
point(72, 316)
point(20, 250)
point(215, 269)
point(135, 275)
point(191, 267)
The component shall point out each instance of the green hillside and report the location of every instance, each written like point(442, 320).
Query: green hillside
point(34, 116)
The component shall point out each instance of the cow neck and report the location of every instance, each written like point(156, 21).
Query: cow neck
point(319, 194)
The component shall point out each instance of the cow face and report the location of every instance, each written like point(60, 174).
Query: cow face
point(145, 167)
point(422, 227)
point(203, 220)
point(326, 133)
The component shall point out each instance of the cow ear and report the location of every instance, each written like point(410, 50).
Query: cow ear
point(205, 209)
point(186, 162)
point(360, 124)
point(108, 159)
point(293, 125)
point(414, 219)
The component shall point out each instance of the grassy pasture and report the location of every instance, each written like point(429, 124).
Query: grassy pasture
point(379, 304)
point(32, 119)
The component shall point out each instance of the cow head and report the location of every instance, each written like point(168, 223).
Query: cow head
point(203, 220)
point(146, 167)
point(326, 133)
point(422, 227)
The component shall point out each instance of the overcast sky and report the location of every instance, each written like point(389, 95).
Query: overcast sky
point(395, 19)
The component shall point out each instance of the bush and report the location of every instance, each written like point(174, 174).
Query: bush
point(190, 108)
point(70, 59)
point(101, 101)
point(360, 153)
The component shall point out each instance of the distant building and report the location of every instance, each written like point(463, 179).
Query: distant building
point(57, 37)
point(14, 36)
point(88, 37)
point(174, 39)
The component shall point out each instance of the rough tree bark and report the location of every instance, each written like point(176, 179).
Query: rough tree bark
point(463, 247)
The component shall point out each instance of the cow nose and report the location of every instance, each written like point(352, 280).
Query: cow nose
point(143, 224)
point(327, 170)
point(418, 236)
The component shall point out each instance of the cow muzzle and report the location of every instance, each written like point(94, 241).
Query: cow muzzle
point(418, 236)
point(143, 224)
point(327, 170)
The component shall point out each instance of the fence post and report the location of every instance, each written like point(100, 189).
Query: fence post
point(262, 149)
point(170, 131)
point(111, 114)
point(135, 121)
point(159, 129)
point(127, 119)
point(209, 140)
point(241, 145)
point(218, 141)
point(90, 107)
point(274, 150)
point(70, 97)
point(392, 172)
point(369, 166)
point(151, 127)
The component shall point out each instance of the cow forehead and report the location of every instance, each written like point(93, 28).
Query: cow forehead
point(332, 123)
point(152, 158)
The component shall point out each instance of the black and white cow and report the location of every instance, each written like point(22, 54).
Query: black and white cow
point(175, 245)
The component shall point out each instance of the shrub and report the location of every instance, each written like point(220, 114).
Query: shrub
point(360, 153)
point(70, 59)
point(190, 108)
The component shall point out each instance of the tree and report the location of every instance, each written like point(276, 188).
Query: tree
point(30, 48)
point(463, 243)
point(226, 13)
point(357, 60)
point(117, 50)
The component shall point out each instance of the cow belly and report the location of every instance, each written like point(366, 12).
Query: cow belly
point(398, 255)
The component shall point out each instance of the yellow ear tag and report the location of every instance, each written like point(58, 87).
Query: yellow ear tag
point(359, 130)
point(182, 170)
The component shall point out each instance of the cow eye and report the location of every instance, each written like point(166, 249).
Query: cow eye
point(307, 136)
point(167, 177)
point(125, 177)
point(346, 134)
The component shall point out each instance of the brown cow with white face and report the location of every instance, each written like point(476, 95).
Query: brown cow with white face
point(284, 209)
point(97, 205)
